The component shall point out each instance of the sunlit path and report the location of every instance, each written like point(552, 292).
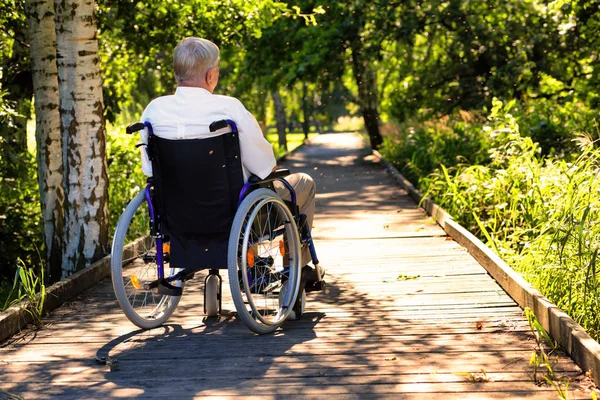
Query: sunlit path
point(408, 314)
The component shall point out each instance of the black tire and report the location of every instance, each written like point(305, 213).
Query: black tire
point(145, 308)
point(264, 225)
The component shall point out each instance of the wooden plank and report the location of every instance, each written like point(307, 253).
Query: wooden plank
point(584, 350)
point(314, 387)
point(291, 375)
point(570, 335)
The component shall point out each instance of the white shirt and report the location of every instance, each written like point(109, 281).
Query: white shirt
point(187, 115)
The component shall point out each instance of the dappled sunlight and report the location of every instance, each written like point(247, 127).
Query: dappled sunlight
point(406, 312)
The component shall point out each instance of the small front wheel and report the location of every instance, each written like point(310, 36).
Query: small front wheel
point(134, 266)
point(211, 296)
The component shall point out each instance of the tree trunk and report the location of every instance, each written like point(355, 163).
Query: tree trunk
point(261, 110)
point(84, 141)
point(317, 125)
point(305, 111)
point(366, 80)
point(40, 18)
point(280, 119)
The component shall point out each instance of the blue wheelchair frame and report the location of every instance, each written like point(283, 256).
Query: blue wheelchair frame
point(300, 219)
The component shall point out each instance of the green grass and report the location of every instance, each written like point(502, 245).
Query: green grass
point(293, 140)
point(6, 297)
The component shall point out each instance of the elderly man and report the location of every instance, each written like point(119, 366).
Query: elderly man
point(188, 113)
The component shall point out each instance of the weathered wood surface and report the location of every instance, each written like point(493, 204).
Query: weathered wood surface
point(371, 336)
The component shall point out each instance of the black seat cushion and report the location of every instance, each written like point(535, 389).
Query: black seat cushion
point(197, 183)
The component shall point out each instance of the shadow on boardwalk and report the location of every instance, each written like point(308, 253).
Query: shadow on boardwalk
point(215, 357)
point(224, 359)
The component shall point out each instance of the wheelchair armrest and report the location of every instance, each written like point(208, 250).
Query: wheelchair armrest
point(280, 173)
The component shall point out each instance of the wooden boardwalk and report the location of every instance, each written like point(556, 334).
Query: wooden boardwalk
point(409, 314)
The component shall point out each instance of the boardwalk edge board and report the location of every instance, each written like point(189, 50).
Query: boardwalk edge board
point(582, 348)
point(14, 318)
point(17, 316)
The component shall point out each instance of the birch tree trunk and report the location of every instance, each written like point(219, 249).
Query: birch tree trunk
point(84, 142)
point(280, 119)
point(40, 18)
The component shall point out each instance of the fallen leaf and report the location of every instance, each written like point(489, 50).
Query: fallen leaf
point(478, 325)
point(390, 359)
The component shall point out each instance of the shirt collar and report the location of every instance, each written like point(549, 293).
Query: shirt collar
point(190, 91)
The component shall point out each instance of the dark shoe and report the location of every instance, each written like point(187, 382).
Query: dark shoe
point(311, 280)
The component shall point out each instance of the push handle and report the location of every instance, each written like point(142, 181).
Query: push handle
point(135, 127)
point(215, 126)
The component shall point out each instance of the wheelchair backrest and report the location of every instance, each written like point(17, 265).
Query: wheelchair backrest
point(197, 183)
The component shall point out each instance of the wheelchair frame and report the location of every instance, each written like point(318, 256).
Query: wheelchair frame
point(163, 284)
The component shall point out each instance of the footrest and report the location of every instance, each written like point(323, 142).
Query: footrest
point(165, 288)
point(315, 286)
point(150, 257)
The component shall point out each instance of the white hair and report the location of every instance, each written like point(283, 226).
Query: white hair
point(193, 57)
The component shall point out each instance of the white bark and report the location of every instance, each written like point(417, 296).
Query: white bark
point(84, 141)
point(40, 18)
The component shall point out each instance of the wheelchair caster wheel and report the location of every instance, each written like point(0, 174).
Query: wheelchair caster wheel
point(298, 309)
point(211, 296)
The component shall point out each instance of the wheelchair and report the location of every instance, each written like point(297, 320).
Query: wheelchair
point(197, 213)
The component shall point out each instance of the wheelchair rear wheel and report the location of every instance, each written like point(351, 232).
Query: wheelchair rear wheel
point(264, 261)
point(134, 267)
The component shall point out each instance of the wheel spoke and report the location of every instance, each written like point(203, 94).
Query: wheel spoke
point(259, 296)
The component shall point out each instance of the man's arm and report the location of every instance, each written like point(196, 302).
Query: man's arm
point(257, 152)
point(146, 164)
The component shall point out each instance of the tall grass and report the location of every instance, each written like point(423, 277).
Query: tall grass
point(539, 213)
point(293, 140)
point(419, 148)
point(28, 284)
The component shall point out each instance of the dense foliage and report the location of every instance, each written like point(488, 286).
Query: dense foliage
point(20, 232)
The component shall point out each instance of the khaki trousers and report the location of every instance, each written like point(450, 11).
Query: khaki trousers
point(304, 186)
